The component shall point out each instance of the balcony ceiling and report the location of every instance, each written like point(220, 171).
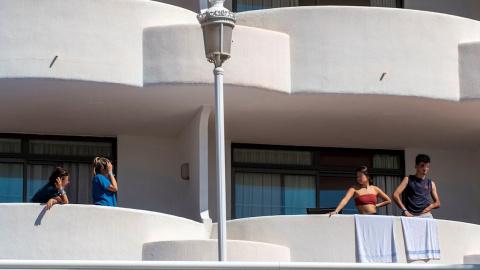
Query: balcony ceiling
point(251, 115)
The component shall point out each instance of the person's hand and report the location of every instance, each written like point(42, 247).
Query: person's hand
point(50, 203)
point(331, 213)
point(58, 184)
point(408, 214)
point(109, 166)
point(426, 210)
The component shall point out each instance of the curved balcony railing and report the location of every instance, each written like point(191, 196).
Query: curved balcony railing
point(87, 232)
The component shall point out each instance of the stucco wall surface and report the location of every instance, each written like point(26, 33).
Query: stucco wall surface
point(207, 250)
point(93, 40)
point(89, 232)
point(347, 49)
point(193, 150)
point(469, 69)
point(86, 232)
point(149, 175)
point(260, 58)
point(318, 238)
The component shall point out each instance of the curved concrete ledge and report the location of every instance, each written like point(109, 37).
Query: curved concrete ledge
point(318, 238)
point(87, 40)
point(469, 69)
point(87, 232)
point(207, 250)
point(170, 58)
point(471, 259)
point(417, 50)
point(137, 42)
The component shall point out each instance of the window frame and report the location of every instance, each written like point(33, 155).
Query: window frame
point(26, 158)
point(400, 4)
point(315, 169)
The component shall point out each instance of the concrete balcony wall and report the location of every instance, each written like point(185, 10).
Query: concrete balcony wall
point(318, 238)
point(254, 62)
point(145, 42)
point(94, 40)
point(346, 50)
point(207, 250)
point(86, 232)
point(469, 68)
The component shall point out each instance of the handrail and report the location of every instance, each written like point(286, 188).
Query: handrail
point(78, 264)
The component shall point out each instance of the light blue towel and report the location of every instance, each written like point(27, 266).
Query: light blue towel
point(421, 238)
point(375, 239)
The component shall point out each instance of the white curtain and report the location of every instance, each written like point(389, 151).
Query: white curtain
point(388, 184)
point(80, 188)
point(8, 145)
point(257, 194)
point(262, 194)
point(263, 156)
point(78, 191)
point(299, 194)
point(70, 148)
point(386, 162)
point(383, 3)
point(37, 177)
point(244, 5)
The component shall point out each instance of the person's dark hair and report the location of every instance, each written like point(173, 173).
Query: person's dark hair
point(57, 172)
point(365, 171)
point(422, 158)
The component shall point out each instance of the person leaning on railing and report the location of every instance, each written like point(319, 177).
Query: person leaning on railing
point(54, 191)
point(365, 195)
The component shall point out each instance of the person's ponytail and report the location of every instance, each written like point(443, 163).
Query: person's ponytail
point(98, 164)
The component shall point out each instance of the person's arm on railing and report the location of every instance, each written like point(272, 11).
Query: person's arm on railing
point(343, 202)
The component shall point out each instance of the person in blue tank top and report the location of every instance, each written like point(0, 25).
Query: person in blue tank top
point(104, 183)
point(418, 191)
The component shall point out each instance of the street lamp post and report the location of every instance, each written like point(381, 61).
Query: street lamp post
point(217, 25)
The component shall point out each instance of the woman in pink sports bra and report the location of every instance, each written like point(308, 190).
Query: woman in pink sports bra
point(365, 195)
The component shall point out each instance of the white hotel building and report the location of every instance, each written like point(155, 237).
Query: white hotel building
point(313, 90)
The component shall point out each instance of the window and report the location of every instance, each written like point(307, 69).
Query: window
point(285, 180)
point(26, 162)
point(246, 5)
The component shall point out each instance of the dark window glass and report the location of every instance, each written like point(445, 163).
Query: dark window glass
point(246, 5)
point(267, 156)
point(8, 145)
point(42, 154)
point(11, 182)
point(70, 148)
point(37, 177)
point(333, 189)
point(266, 194)
point(286, 180)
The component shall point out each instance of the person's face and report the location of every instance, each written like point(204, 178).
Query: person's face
point(422, 168)
point(361, 178)
point(104, 169)
point(65, 181)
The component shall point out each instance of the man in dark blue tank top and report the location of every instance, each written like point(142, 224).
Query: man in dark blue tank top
point(418, 190)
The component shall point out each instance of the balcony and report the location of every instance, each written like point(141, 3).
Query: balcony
point(86, 236)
